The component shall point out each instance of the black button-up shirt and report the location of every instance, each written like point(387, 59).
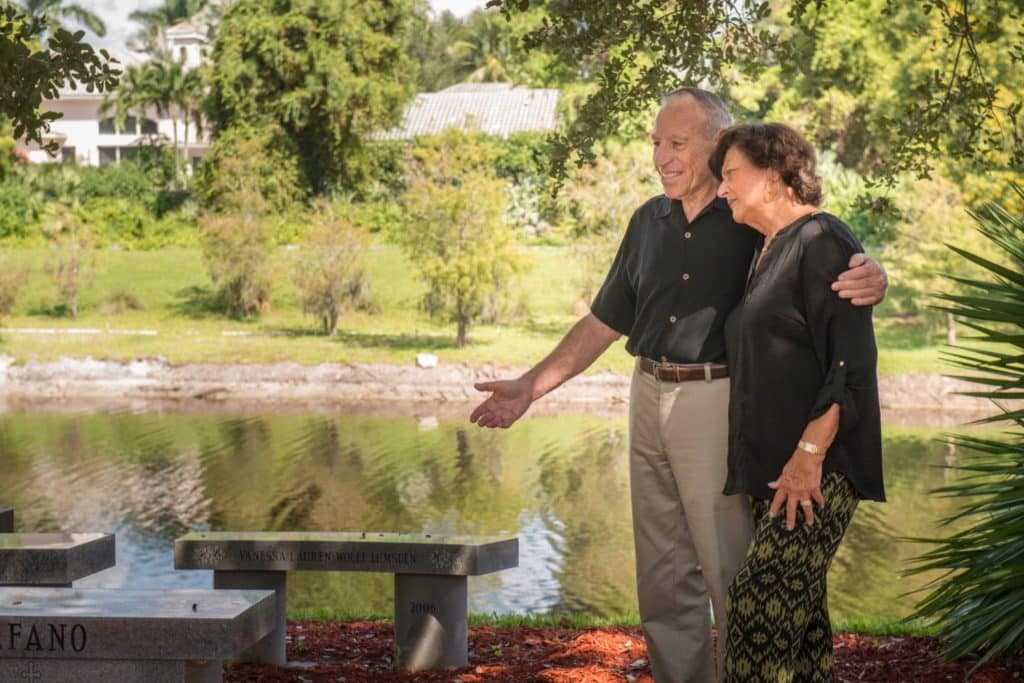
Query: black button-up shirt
point(673, 282)
point(795, 348)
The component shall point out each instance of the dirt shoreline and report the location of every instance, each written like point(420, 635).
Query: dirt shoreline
point(444, 390)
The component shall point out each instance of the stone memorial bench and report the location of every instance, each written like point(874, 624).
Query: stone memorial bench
point(431, 591)
point(65, 635)
point(6, 520)
point(53, 559)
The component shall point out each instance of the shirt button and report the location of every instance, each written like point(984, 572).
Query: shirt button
point(687, 235)
point(686, 276)
point(672, 318)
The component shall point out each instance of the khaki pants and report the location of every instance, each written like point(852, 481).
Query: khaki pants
point(690, 540)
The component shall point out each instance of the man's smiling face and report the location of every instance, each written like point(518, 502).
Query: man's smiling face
point(682, 148)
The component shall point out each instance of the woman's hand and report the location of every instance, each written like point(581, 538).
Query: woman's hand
point(798, 485)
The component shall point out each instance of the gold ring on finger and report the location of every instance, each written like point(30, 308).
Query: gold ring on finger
point(805, 503)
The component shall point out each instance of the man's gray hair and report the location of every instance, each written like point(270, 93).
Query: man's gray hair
point(716, 113)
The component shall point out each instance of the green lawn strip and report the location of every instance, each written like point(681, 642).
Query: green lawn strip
point(175, 293)
point(578, 620)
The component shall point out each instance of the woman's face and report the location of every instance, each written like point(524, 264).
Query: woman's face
point(745, 187)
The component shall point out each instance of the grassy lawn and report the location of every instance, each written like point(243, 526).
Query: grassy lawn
point(579, 620)
point(174, 291)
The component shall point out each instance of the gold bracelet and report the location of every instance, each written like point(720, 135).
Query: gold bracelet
point(812, 448)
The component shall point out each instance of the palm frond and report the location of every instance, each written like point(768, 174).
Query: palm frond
point(978, 598)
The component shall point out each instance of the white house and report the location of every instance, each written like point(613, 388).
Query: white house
point(86, 137)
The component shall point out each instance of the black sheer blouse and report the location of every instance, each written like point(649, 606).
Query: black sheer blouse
point(795, 348)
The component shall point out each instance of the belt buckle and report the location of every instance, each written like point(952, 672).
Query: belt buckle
point(659, 366)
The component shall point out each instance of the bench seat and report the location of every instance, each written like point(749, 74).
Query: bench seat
point(431, 590)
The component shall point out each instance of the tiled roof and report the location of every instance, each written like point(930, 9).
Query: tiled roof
point(492, 108)
point(183, 27)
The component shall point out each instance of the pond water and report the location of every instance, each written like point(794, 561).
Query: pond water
point(558, 482)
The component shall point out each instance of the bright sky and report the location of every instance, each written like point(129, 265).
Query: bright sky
point(114, 14)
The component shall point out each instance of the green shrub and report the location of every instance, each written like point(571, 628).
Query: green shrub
point(248, 161)
point(119, 302)
point(126, 180)
point(15, 210)
point(73, 259)
point(115, 220)
point(237, 249)
point(329, 270)
point(455, 231)
point(12, 282)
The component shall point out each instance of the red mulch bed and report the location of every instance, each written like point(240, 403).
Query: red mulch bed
point(360, 652)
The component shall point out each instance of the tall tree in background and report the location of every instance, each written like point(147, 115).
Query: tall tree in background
point(54, 12)
point(326, 73)
point(427, 47)
point(485, 49)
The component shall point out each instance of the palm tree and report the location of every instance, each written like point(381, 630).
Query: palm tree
point(171, 89)
point(51, 12)
point(150, 38)
point(485, 50)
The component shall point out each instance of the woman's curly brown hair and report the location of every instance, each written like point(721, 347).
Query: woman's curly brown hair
point(775, 146)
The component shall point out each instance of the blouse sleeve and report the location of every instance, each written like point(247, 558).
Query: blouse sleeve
point(842, 334)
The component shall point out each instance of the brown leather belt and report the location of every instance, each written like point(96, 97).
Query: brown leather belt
point(672, 372)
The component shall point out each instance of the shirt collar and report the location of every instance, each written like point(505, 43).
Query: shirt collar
point(664, 207)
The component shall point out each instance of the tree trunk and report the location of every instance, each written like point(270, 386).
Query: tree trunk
point(950, 330)
point(184, 151)
point(460, 335)
point(177, 154)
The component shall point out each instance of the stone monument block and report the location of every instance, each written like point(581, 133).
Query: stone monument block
point(53, 559)
point(67, 634)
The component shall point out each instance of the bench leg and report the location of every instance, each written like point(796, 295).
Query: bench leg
point(6, 521)
point(430, 621)
point(271, 649)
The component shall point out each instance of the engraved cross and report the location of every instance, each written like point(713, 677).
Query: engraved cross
point(31, 674)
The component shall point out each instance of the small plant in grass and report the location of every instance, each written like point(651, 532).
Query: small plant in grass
point(12, 282)
point(120, 302)
point(237, 247)
point(978, 598)
point(74, 261)
point(329, 269)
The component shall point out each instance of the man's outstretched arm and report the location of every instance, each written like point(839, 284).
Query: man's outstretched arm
point(865, 283)
point(509, 399)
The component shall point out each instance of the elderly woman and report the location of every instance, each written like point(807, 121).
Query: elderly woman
point(804, 427)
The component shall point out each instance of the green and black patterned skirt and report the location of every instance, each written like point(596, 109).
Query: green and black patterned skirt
point(778, 604)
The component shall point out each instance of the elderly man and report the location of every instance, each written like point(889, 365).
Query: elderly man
point(680, 269)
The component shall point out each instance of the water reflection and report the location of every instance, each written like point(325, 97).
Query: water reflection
point(559, 483)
